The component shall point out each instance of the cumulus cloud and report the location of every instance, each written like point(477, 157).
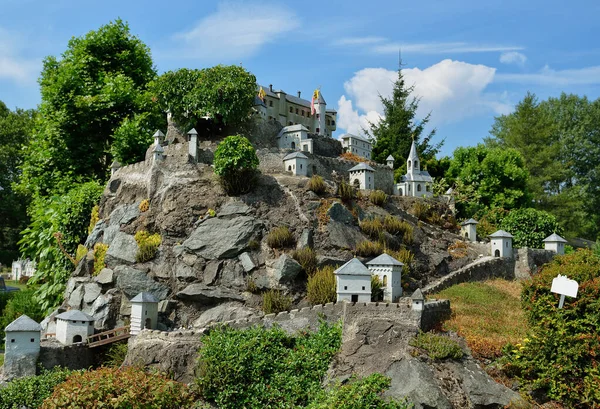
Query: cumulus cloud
point(236, 30)
point(558, 78)
point(451, 90)
point(12, 65)
point(513, 57)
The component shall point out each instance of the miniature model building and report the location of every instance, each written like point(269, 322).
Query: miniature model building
point(417, 300)
point(357, 145)
point(73, 327)
point(144, 312)
point(390, 161)
point(362, 176)
point(416, 182)
point(297, 163)
point(294, 137)
point(555, 243)
point(353, 282)
point(468, 229)
point(22, 347)
point(501, 244)
point(389, 272)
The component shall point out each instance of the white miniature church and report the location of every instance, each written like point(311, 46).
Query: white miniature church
point(144, 312)
point(416, 182)
point(73, 327)
point(389, 272)
point(555, 243)
point(362, 176)
point(501, 244)
point(353, 282)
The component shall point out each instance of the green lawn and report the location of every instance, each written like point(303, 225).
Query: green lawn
point(11, 283)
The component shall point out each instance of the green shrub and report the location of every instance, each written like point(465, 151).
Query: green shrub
point(280, 237)
point(320, 288)
point(372, 227)
point(317, 185)
point(251, 286)
point(265, 368)
point(437, 346)
point(346, 192)
point(94, 217)
point(235, 163)
point(32, 390)
point(368, 248)
point(80, 253)
point(147, 245)
point(127, 388)
point(275, 301)
point(378, 197)
point(420, 210)
point(20, 303)
point(530, 227)
point(115, 356)
point(359, 394)
point(307, 259)
point(100, 250)
point(376, 288)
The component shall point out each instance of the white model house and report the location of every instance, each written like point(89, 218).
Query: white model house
point(295, 137)
point(468, 229)
point(555, 243)
point(416, 182)
point(357, 145)
point(390, 161)
point(353, 282)
point(362, 176)
point(417, 300)
point(501, 244)
point(22, 347)
point(159, 137)
point(22, 268)
point(192, 137)
point(144, 312)
point(389, 272)
point(297, 163)
point(157, 153)
point(73, 326)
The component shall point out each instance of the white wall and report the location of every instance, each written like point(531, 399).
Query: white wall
point(412, 189)
point(347, 286)
point(66, 330)
point(469, 232)
point(18, 343)
point(503, 245)
point(393, 288)
point(558, 248)
point(297, 166)
point(366, 179)
point(140, 312)
point(357, 147)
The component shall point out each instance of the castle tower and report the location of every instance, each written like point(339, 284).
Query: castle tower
point(501, 244)
point(192, 145)
point(73, 327)
point(413, 164)
point(144, 312)
point(114, 167)
point(555, 243)
point(157, 154)
point(390, 161)
point(22, 347)
point(158, 137)
point(417, 300)
point(353, 282)
point(320, 111)
point(389, 272)
point(468, 229)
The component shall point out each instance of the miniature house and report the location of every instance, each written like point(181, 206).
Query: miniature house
point(468, 229)
point(555, 243)
point(417, 300)
point(501, 244)
point(144, 312)
point(389, 272)
point(416, 182)
point(297, 163)
point(157, 153)
point(73, 327)
point(114, 167)
point(362, 176)
point(192, 137)
point(159, 137)
point(295, 137)
point(390, 161)
point(353, 282)
point(22, 347)
point(356, 145)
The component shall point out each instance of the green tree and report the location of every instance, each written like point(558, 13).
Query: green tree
point(530, 227)
point(236, 162)
point(394, 134)
point(493, 177)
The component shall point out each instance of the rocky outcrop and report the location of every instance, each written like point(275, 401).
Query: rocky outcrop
point(122, 250)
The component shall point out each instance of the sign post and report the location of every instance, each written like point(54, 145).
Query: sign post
point(565, 287)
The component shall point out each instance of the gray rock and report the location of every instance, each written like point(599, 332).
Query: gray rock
point(85, 267)
point(208, 295)
point(183, 271)
point(224, 312)
point(96, 235)
point(222, 238)
point(235, 208)
point(106, 276)
point(189, 259)
point(232, 274)
point(132, 282)
point(338, 213)
point(92, 291)
point(110, 233)
point(122, 250)
point(285, 269)
point(211, 271)
point(19, 365)
point(343, 236)
point(76, 297)
point(306, 239)
point(125, 308)
point(166, 306)
point(247, 262)
point(124, 214)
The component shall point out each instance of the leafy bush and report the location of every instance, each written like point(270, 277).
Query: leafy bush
point(100, 250)
point(115, 356)
point(19, 303)
point(127, 388)
point(372, 227)
point(346, 192)
point(321, 288)
point(94, 217)
point(437, 346)
point(530, 227)
point(317, 185)
point(378, 197)
point(376, 288)
point(280, 237)
point(265, 368)
point(134, 135)
point(147, 245)
point(369, 248)
point(307, 259)
point(32, 390)
point(561, 353)
point(358, 394)
point(144, 205)
point(236, 162)
point(276, 301)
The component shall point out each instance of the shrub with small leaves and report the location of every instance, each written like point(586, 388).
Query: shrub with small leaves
point(372, 227)
point(147, 245)
point(378, 197)
point(320, 288)
point(437, 346)
point(369, 248)
point(420, 210)
point(346, 192)
point(31, 391)
point(280, 237)
point(144, 205)
point(100, 250)
point(251, 286)
point(307, 259)
point(317, 185)
point(80, 253)
point(95, 216)
point(399, 228)
point(376, 288)
point(116, 354)
point(275, 301)
point(235, 163)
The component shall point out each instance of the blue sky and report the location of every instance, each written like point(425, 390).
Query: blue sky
point(469, 60)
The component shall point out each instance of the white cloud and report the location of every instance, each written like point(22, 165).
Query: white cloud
point(237, 30)
point(358, 40)
point(12, 65)
point(451, 90)
point(560, 78)
point(513, 57)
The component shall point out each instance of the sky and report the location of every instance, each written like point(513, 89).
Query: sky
point(469, 61)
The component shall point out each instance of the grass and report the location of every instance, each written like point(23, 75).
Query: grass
point(317, 185)
point(280, 237)
point(487, 314)
point(13, 283)
point(1, 359)
point(437, 346)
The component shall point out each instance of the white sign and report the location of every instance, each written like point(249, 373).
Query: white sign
point(564, 286)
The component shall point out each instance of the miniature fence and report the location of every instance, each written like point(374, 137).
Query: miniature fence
point(108, 337)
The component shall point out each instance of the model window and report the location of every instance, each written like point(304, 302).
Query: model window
point(32, 340)
point(296, 111)
point(302, 112)
point(418, 186)
point(363, 288)
point(270, 103)
point(317, 130)
point(332, 122)
point(345, 288)
point(427, 188)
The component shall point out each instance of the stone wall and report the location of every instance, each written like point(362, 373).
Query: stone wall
point(529, 260)
point(434, 312)
point(325, 146)
point(53, 353)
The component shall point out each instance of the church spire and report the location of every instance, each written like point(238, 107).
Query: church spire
point(412, 163)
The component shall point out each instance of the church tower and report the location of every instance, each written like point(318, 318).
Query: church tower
point(320, 112)
point(413, 165)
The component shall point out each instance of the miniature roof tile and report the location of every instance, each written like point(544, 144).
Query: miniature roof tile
point(158, 149)
point(385, 260)
point(74, 315)
point(412, 155)
point(158, 134)
point(292, 128)
point(361, 166)
point(390, 158)
point(418, 295)
point(23, 324)
point(501, 234)
point(144, 297)
point(192, 132)
point(293, 155)
point(470, 221)
point(360, 138)
point(554, 238)
point(353, 268)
